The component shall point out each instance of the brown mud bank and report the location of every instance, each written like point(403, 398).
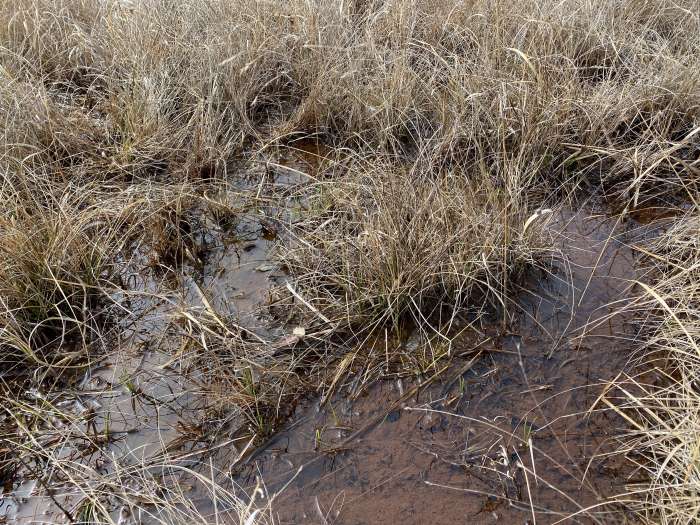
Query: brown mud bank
point(514, 428)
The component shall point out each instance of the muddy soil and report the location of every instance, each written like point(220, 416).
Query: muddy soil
point(517, 432)
point(513, 427)
point(143, 405)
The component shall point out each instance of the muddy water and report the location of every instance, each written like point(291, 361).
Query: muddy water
point(515, 434)
point(505, 432)
point(239, 272)
point(139, 408)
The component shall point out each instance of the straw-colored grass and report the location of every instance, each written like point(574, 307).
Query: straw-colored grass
point(389, 242)
point(451, 126)
point(53, 258)
point(608, 90)
point(664, 404)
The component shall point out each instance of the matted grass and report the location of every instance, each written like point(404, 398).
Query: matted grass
point(451, 126)
point(606, 90)
point(664, 404)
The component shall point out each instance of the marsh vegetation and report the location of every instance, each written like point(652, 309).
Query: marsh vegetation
point(224, 220)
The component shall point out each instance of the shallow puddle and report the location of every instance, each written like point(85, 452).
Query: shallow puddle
point(127, 412)
point(513, 432)
point(142, 407)
point(511, 429)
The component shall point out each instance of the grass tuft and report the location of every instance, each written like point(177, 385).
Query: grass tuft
point(387, 243)
point(664, 402)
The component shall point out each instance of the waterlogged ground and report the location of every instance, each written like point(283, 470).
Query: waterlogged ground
point(515, 431)
point(511, 425)
point(150, 407)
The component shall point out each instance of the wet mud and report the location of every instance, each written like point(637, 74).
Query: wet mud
point(513, 426)
point(146, 404)
point(517, 431)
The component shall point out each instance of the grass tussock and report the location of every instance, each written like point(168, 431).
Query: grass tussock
point(388, 243)
point(666, 404)
point(54, 258)
point(65, 248)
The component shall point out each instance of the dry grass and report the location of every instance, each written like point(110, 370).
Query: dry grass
point(389, 242)
point(665, 403)
point(130, 88)
point(65, 249)
point(452, 124)
point(54, 256)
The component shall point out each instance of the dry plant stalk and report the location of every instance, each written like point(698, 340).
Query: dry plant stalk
point(664, 412)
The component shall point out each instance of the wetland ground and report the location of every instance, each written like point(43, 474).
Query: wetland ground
point(349, 262)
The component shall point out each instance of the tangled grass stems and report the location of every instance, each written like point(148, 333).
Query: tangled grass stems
point(664, 406)
point(64, 250)
point(133, 490)
point(596, 92)
point(54, 260)
point(388, 242)
point(472, 113)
